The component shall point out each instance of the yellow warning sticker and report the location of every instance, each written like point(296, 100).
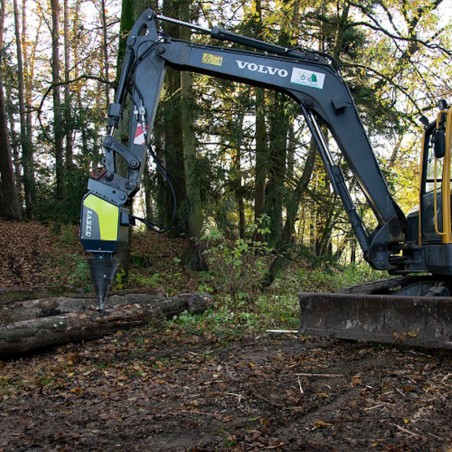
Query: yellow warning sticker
point(210, 58)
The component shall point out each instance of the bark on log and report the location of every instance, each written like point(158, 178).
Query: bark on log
point(36, 324)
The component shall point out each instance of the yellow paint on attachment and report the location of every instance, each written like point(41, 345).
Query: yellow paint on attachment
point(108, 215)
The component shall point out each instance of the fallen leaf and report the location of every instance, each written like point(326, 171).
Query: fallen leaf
point(318, 423)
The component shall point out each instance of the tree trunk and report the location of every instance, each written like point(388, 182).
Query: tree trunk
point(10, 101)
point(57, 111)
point(125, 25)
point(295, 197)
point(279, 127)
point(173, 127)
point(11, 207)
point(9, 196)
point(195, 254)
point(236, 174)
point(261, 136)
point(2, 202)
point(29, 59)
point(148, 187)
point(37, 324)
point(261, 159)
point(27, 149)
point(178, 133)
point(68, 120)
point(194, 257)
point(105, 53)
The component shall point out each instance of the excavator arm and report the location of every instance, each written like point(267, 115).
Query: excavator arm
point(312, 79)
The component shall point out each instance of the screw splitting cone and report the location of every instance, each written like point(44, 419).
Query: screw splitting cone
point(103, 271)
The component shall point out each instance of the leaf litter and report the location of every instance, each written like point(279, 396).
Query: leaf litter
point(162, 390)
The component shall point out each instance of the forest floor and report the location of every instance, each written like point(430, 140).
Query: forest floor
point(171, 387)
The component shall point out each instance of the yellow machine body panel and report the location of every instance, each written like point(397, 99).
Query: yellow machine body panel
point(107, 216)
point(435, 224)
point(104, 225)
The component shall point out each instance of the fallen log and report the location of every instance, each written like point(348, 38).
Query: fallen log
point(37, 324)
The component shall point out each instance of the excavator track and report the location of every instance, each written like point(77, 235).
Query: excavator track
point(385, 312)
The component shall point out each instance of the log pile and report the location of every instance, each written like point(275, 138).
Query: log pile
point(37, 324)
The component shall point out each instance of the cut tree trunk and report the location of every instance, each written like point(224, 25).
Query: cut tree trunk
point(36, 324)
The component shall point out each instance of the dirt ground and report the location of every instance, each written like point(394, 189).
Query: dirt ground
point(171, 391)
point(163, 388)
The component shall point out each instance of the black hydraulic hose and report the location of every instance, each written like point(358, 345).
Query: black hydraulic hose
point(168, 178)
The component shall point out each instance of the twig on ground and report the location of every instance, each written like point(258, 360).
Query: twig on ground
point(239, 396)
point(404, 430)
point(299, 384)
point(400, 392)
point(319, 375)
point(282, 331)
point(375, 407)
point(434, 436)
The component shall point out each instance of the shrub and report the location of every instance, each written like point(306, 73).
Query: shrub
point(236, 267)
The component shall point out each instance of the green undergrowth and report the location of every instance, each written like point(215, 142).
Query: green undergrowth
point(274, 308)
point(244, 302)
point(327, 278)
point(228, 318)
point(67, 263)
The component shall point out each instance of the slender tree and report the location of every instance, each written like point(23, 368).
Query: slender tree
point(261, 137)
point(29, 46)
point(10, 200)
point(191, 168)
point(173, 129)
point(261, 157)
point(25, 133)
point(68, 119)
point(58, 118)
point(295, 197)
point(106, 64)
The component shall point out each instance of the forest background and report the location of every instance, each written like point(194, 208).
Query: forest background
point(260, 201)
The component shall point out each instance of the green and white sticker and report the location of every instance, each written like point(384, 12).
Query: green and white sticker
point(307, 78)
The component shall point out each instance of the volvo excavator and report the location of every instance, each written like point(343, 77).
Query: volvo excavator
point(415, 305)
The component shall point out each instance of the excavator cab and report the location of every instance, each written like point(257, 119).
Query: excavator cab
point(435, 230)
